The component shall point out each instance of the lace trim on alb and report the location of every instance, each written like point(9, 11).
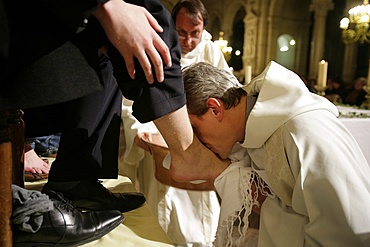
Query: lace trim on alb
point(233, 231)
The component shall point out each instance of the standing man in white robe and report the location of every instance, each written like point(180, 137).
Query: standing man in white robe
point(190, 218)
point(317, 174)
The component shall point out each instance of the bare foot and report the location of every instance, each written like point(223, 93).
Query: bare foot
point(34, 164)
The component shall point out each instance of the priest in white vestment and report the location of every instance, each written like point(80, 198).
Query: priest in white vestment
point(292, 146)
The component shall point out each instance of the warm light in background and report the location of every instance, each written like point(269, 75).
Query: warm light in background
point(355, 28)
point(222, 43)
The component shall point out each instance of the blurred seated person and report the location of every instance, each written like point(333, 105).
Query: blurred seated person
point(37, 150)
point(357, 94)
point(45, 146)
point(35, 168)
point(335, 91)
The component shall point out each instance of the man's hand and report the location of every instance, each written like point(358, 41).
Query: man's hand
point(133, 31)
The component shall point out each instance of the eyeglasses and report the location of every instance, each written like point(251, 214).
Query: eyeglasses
point(192, 36)
point(189, 37)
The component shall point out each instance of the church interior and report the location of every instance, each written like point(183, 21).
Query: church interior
point(259, 31)
point(322, 41)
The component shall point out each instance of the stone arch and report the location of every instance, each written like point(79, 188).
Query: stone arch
point(214, 24)
point(237, 39)
point(276, 7)
point(231, 9)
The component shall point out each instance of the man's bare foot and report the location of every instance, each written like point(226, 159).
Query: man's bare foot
point(34, 164)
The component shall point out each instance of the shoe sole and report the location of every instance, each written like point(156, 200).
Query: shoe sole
point(105, 231)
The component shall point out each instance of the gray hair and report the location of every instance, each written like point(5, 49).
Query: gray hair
point(203, 81)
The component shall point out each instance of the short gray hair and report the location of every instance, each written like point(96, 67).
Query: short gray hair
point(203, 81)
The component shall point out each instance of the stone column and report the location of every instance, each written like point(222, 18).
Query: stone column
point(250, 37)
point(350, 51)
point(350, 58)
point(274, 31)
point(320, 9)
point(255, 35)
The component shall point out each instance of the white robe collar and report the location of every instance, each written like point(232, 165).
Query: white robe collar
point(281, 95)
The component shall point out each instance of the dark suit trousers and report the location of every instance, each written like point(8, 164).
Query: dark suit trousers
point(90, 125)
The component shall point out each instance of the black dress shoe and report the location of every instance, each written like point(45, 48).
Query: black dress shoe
point(67, 226)
point(92, 195)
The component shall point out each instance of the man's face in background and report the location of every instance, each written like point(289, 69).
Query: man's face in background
point(189, 29)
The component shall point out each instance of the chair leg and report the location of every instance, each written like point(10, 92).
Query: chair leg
point(16, 132)
point(6, 237)
point(11, 167)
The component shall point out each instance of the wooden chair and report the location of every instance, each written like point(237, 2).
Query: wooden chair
point(11, 168)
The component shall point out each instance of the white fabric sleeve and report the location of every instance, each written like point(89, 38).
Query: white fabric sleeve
point(333, 186)
point(131, 127)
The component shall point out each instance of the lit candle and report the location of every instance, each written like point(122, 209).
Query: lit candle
point(248, 74)
point(323, 73)
point(368, 76)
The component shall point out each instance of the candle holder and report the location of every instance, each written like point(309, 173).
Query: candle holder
point(320, 89)
point(366, 103)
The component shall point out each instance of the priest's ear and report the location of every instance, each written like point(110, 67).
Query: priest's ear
point(217, 108)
